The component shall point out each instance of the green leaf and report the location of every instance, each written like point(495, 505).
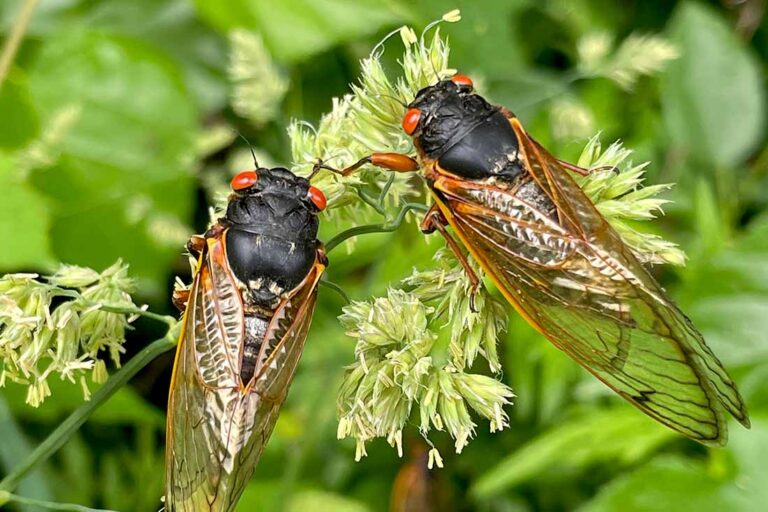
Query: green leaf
point(260, 495)
point(123, 186)
point(125, 407)
point(727, 297)
point(713, 96)
point(24, 222)
point(675, 483)
point(295, 30)
point(750, 451)
point(173, 27)
point(20, 121)
point(620, 435)
point(323, 501)
point(670, 483)
point(16, 447)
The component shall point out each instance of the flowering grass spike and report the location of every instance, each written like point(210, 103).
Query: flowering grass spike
point(63, 324)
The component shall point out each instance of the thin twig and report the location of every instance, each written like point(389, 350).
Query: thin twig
point(69, 426)
point(17, 34)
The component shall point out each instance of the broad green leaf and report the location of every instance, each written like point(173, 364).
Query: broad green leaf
point(75, 463)
point(16, 447)
point(486, 45)
point(295, 30)
point(727, 297)
point(125, 407)
point(619, 436)
point(734, 325)
point(711, 225)
point(749, 448)
point(670, 483)
point(19, 119)
point(121, 468)
point(173, 27)
point(713, 96)
point(123, 186)
point(535, 368)
point(24, 222)
point(260, 495)
point(323, 501)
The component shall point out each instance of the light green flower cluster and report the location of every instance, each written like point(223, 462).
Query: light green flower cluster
point(597, 56)
point(368, 120)
point(258, 85)
point(637, 55)
point(399, 369)
point(615, 186)
point(61, 325)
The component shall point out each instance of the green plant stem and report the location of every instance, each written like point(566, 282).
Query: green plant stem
point(6, 497)
point(64, 431)
point(386, 188)
point(376, 205)
point(385, 227)
point(336, 288)
point(167, 319)
point(14, 39)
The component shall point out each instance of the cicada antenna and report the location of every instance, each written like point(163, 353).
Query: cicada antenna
point(250, 146)
point(320, 164)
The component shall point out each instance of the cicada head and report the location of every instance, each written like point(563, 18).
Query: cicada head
point(442, 113)
point(272, 227)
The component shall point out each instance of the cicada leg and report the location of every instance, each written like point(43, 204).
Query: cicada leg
point(396, 162)
point(434, 220)
point(195, 247)
point(180, 299)
point(582, 171)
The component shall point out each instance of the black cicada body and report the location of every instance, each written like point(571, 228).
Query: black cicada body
point(246, 317)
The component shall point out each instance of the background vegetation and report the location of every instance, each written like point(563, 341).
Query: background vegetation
point(116, 132)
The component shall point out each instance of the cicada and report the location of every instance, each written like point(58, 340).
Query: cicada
point(520, 214)
point(246, 318)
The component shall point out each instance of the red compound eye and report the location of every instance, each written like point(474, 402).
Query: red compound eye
point(317, 197)
point(244, 180)
point(462, 80)
point(411, 120)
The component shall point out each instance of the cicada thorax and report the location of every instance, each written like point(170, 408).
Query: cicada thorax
point(461, 134)
point(271, 246)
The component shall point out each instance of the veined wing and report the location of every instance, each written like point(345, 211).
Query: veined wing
point(217, 427)
point(571, 276)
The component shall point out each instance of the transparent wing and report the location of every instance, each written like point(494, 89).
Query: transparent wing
point(570, 275)
point(217, 427)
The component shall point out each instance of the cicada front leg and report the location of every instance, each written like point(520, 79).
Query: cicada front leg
point(434, 220)
point(396, 162)
point(195, 247)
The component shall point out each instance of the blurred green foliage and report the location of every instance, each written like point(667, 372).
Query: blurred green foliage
point(111, 124)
